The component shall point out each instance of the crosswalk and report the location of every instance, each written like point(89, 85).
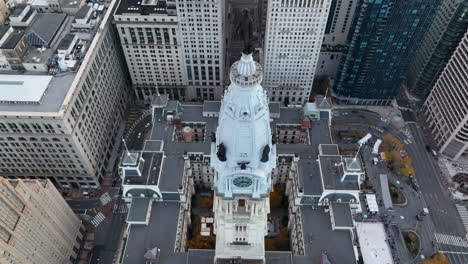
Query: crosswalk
point(451, 240)
point(98, 219)
point(463, 215)
point(105, 198)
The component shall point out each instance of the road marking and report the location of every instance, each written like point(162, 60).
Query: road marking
point(454, 252)
point(451, 240)
point(463, 215)
point(98, 219)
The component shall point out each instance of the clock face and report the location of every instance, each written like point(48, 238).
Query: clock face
point(242, 182)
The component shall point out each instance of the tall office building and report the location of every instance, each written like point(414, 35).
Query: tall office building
point(446, 107)
point(336, 31)
point(63, 125)
point(438, 45)
point(243, 157)
point(36, 224)
point(294, 35)
point(235, 9)
point(173, 47)
point(385, 37)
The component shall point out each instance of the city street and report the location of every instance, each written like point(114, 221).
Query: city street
point(108, 237)
point(445, 226)
point(442, 210)
point(402, 215)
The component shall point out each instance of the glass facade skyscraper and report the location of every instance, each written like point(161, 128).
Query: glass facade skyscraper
point(383, 39)
point(438, 45)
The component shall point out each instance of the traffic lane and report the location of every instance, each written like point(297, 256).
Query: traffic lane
point(109, 237)
point(409, 211)
point(84, 204)
point(434, 196)
point(441, 207)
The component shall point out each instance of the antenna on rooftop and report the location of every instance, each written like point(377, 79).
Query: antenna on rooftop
point(357, 152)
point(157, 91)
point(125, 145)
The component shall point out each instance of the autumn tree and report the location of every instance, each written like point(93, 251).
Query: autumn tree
point(206, 202)
point(277, 196)
point(438, 258)
point(270, 244)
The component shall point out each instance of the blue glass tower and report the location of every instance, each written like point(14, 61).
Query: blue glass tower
point(383, 40)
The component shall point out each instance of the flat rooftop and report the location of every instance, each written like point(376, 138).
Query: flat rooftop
point(211, 106)
point(309, 175)
point(38, 55)
point(160, 232)
point(150, 172)
point(342, 215)
point(373, 241)
point(143, 7)
point(171, 175)
point(12, 40)
point(23, 89)
point(319, 237)
point(332, 173)
point(139, 209)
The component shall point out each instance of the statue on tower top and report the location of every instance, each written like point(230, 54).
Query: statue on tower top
point(245, 30)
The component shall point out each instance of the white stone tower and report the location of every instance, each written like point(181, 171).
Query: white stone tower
point(243, 156)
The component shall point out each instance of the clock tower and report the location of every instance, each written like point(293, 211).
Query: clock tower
point(243, 156)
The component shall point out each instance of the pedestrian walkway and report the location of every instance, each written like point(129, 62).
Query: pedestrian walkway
point(105, 198)
point(98, 219)
point(451, 240)
point(463, 215)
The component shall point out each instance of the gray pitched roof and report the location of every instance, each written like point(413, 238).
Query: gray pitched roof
point(44, 28)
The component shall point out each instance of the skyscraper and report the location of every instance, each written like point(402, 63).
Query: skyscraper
point(336, 31)
point(64, 125)
point(294, 35)
point(446, 107)
point(385, 37)
point(243, 157)
point(175, 47)
point(438, 45)
point(36, 224)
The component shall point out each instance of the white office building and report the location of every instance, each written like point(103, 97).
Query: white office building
point(446, 107)
point(294, 35)
point(173, 47)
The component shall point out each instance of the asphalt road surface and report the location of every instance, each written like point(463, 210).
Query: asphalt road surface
point(444, 218)
point(442, 210)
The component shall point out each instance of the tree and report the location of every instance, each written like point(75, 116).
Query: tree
point(388, 156)
point(206, 202)
point(438, 258)
point(270, 245)
point(407, 169)
point(277, 196)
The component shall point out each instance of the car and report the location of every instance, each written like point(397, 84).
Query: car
point(375, 161)
point(147, 125)
point(139, 135)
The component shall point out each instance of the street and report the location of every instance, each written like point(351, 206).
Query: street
point(444, 225)
point(442, 210)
